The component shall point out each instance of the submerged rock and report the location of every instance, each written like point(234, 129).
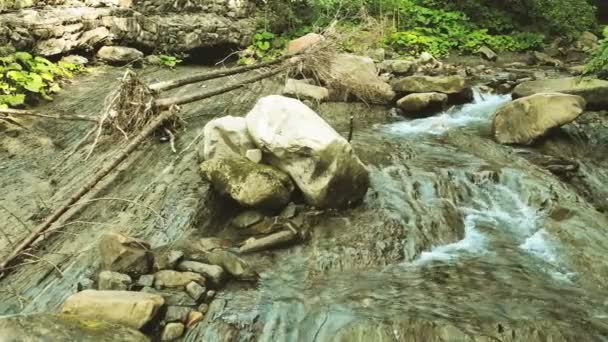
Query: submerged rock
point(320, 161)
point(226, 137)
point(123, 254)
point(132, 309)
point(454, 86)
point(119, 54)
point(52, 327)
point(420, 102)
point(525, 119)
point(250, 184)
point(594, 91)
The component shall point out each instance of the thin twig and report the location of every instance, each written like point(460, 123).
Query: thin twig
point(45, 260)
point(171, 139)
point(21, 112)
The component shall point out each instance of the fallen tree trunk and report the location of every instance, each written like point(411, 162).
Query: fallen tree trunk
point(172, 84)
point(20, 112)
point(180, 100)
point(270, 241)
point(104, 171)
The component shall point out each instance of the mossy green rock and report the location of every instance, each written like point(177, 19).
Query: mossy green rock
point(250, 184)
point(51, 328)
point(594, 91)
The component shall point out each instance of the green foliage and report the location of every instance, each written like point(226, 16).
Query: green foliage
point(24, 77)
point(169, 61)
point(598, 64)
point(265, 46)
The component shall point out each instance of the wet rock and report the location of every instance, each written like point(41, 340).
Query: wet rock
point(196, 291)
point(75, 59)
point(525, 119)
point(109, 280)
point(52, 327)
point(119, 54)
point(166, 258)
point(177, 314)
point(305, 42)
point(487, 53)
point(250, 184)
point(320, 161)
point(123, 254)
point(255, 155)
point(153, 60)
point(421, 102)
point(172, 332)
point(232, 264)
point(193, 318)
point(172, 297)
point(577, 69)
point(146, 280)
point(302, 90)
point(594, 91)
point(247, 219)
point(93, 37)
point(212, 273)
point(290, 211)
point(85, 284)
point(226, 137)
point(132, 309)
point(210, 295)
point(174, 279)
point(203, 308)
point(351, 75)
point(454, 86)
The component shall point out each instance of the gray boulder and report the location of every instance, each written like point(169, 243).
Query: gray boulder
point(453, 86)
point(109, 280)
point(303, 90)
point(422, 102)
point(487, 53)
point(321, 162)
point(119, 54)
point(250, 184)
point(594, 91)
point(526, 119)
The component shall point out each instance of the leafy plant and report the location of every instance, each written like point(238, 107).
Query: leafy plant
point(598, 64)
point(265, 46)
point(24, 78)
point(169, 61)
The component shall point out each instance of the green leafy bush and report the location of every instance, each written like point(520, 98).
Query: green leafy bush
point(265, 46)
point(598, 64)
point(24, 78)
point(169, 61)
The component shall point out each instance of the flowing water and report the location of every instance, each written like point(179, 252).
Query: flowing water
point(459, 239)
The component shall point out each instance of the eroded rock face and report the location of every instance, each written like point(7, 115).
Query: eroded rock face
point(594, 91)
point(299, 142)
point(47, 327)
point(123, 254)
point(453, 86)
point(250, 184)
point(226, 137)
point(525, 119)
point(176, 26)
point(131, 309)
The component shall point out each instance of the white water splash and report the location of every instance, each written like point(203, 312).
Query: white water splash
point(480, 111)
point(543, 247)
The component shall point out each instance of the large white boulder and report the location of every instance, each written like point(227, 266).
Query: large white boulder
point(226, 137)
point(528, 118)
point(299, 142)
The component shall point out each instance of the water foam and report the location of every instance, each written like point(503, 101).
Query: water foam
point(478, 112)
